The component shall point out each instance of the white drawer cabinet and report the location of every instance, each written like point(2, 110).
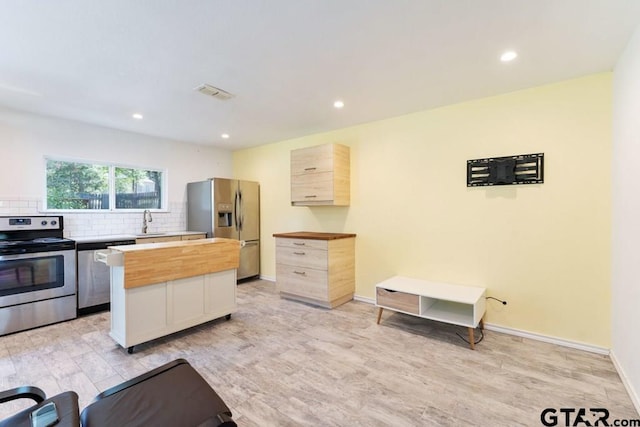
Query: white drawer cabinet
point(317, 268)
point(320, 175)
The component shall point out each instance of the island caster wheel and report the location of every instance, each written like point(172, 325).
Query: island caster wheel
point(130, 350)
point(228, 316)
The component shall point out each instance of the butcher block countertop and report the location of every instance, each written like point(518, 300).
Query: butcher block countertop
point(150, 263)
point(314, 235)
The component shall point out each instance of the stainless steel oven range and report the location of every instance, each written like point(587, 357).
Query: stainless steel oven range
point(37, 273)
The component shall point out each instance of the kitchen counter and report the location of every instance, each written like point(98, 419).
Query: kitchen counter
point(313, 235)
point(114, 237)
point(105, 238)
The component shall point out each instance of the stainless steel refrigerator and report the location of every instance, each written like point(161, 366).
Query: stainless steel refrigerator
point(228, 208)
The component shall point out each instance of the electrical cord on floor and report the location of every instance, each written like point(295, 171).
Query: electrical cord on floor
point(477, 341)
point(481, 329)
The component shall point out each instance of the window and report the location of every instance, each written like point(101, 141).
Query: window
point(94, 186)
point(138, 188)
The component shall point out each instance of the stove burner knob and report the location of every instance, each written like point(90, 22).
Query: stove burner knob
point(54, 222)
point(43, 223)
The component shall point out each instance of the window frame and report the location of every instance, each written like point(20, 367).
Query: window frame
point(164, 191)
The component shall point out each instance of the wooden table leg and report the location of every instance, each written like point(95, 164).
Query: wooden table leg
point(379, 314)
point(472, 341)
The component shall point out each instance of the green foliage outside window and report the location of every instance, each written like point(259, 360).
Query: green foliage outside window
point(138, 188)
point(76, 185)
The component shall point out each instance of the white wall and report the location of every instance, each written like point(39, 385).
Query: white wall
point(625, 266)
point(26, 138)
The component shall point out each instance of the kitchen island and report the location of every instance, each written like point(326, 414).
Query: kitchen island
point(161, 288)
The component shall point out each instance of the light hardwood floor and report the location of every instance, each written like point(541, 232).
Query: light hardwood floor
point(285, 363)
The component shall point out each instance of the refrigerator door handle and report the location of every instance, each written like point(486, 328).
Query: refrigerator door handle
point(236, 207)
point(241, 215)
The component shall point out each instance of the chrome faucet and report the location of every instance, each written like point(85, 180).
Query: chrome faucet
point(146, 217)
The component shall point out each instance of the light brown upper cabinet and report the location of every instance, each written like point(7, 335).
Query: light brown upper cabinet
point(320, 176)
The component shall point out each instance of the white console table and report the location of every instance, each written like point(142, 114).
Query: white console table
point(455, 304)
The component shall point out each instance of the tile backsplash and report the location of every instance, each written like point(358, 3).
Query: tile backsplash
point(93, 223)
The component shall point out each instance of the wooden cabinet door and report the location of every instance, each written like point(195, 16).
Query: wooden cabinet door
point(312, 160)
point(304, 282)
point(311, 188)
point(311, 258)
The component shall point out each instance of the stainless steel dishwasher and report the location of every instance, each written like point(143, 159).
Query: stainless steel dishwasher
point(94, 277)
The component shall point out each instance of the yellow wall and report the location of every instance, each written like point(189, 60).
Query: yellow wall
point(544, 248)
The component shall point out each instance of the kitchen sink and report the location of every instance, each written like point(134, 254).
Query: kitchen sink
point(150, 234)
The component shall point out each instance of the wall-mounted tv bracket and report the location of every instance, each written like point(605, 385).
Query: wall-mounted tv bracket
point(522, 169)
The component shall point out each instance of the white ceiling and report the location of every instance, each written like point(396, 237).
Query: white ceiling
point(286, 61)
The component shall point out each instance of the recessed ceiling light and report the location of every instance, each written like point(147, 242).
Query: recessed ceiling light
point(225, 136)
point(137, 116)
point(508, 56)
point(338, 104)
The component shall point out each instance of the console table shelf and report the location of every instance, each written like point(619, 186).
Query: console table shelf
point(443, 302)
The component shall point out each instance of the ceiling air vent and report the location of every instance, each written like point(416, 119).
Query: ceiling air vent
point(214, 91)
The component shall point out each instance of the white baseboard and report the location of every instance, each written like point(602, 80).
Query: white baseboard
point(364, 299)
point(525, 334)
point(545, 338)
point(625, 380)
point(267, 278)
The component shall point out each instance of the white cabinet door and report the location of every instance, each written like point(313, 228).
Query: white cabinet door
point(220, 293)
point(146, 315)
point(185, 300)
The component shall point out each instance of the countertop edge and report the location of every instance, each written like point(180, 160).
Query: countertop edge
point(314, 235)
point(181, 243)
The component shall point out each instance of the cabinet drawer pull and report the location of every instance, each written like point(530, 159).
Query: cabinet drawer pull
point(310, 197)
point(299, 253)
point(301, 273)
point(299, 244)
point(310, 169)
